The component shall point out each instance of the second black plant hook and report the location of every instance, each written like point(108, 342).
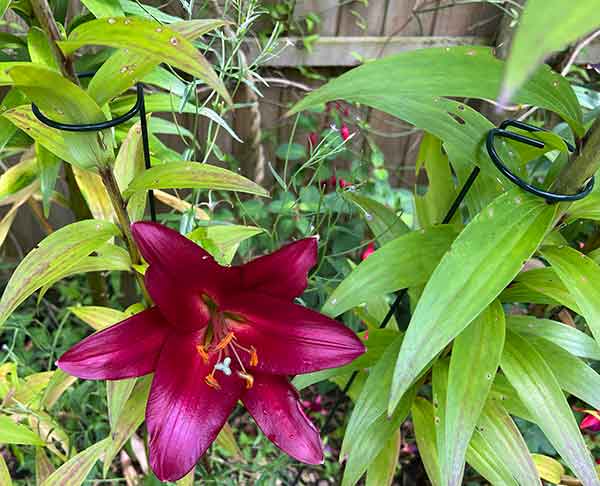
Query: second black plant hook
point(138, 108)
point(550, 197)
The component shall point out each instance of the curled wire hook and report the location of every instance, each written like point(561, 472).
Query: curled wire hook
point(138, 108)
point(550, 197)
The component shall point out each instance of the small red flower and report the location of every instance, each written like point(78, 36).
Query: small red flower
point(368, 251)
point(345, 132)
point(313, 139)
point(218, 335)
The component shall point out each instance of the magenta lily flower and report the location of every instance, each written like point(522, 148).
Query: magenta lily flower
point(218, 335)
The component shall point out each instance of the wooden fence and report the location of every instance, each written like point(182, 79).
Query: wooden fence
point(348, 31)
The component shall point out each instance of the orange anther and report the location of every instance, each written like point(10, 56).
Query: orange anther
point(202, 352)
point(212, 382)
point(248, 377)
point(253, 356)
point(224, 342)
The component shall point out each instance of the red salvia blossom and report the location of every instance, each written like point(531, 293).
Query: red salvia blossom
point(218, 335)
point(345, 132)
point(368, 251)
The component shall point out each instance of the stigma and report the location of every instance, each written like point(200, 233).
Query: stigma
point(228, 347)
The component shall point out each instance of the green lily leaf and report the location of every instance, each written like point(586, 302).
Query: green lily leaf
point(425, 433)
point(104, 8)
point(573, 340)
point(384, 223)
point(434, 204)
point(192, 175)
point(75, 470)
point(581, 275)
point(60, 99)
point(147, 38)
point(124, 68)
point(415, 256)
point(98, 317)
point(497, 242)
point(43, 466)
point(14, 433)
point(475, 358)
point(61, 250)
point(382, 470)
point(223, 241)
point(539, 286)
point(545, 26)
point(574, 375)
point(48, 166)
point(540, 391)
point(18, 177)
point(130, 418)
point(4, 474)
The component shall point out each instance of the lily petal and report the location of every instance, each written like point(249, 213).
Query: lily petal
point(273, 402)
point(184, 414)
point(161, 245)
point(283, 273)
point(127, 349)
point(179, 299)
point(291, 339)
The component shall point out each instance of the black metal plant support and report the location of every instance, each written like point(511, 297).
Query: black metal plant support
point(138, 108)
point(548, 196)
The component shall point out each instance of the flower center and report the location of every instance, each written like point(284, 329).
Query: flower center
point(220, 340)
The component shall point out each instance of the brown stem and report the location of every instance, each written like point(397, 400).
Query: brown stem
point(45, 17)
point(120, 208)
point(575, 174)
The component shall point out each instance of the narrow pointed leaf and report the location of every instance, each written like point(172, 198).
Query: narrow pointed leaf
point(147, 38)
point(14, 433)
point(425, 432)
point(60, 99)
point(573, 374)
point(104, 8)
point(498, 428)
point(193, 175)
point(468, 71)
point(545, 26)
point(75, 470)
point(382, 470)
point(385, 224)
point(128, 421)
point(475, 358)
point(94, 193)
point(482, 456)
point(484, 258)
point(58, 384)
point(43, 466)
point(415, 256)
point(48, 166)
point(124, 68)
point(581, 275)
point(117, 394)
point(540, 286)
point(540, 391)
point(550, 469)
point(18, 177)
point(68, 146)
point(57, 252)
point(569, 338)
point(98, 317)
point(4, 474)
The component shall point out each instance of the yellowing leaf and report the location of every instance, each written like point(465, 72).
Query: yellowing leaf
point(147, 38)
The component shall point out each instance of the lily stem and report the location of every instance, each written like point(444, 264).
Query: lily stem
point(120, 208)
point(574, 175)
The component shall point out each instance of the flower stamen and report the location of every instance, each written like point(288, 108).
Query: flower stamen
point(211, 381)
point(248, 378)
point(202, 352)
point(223, 343)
